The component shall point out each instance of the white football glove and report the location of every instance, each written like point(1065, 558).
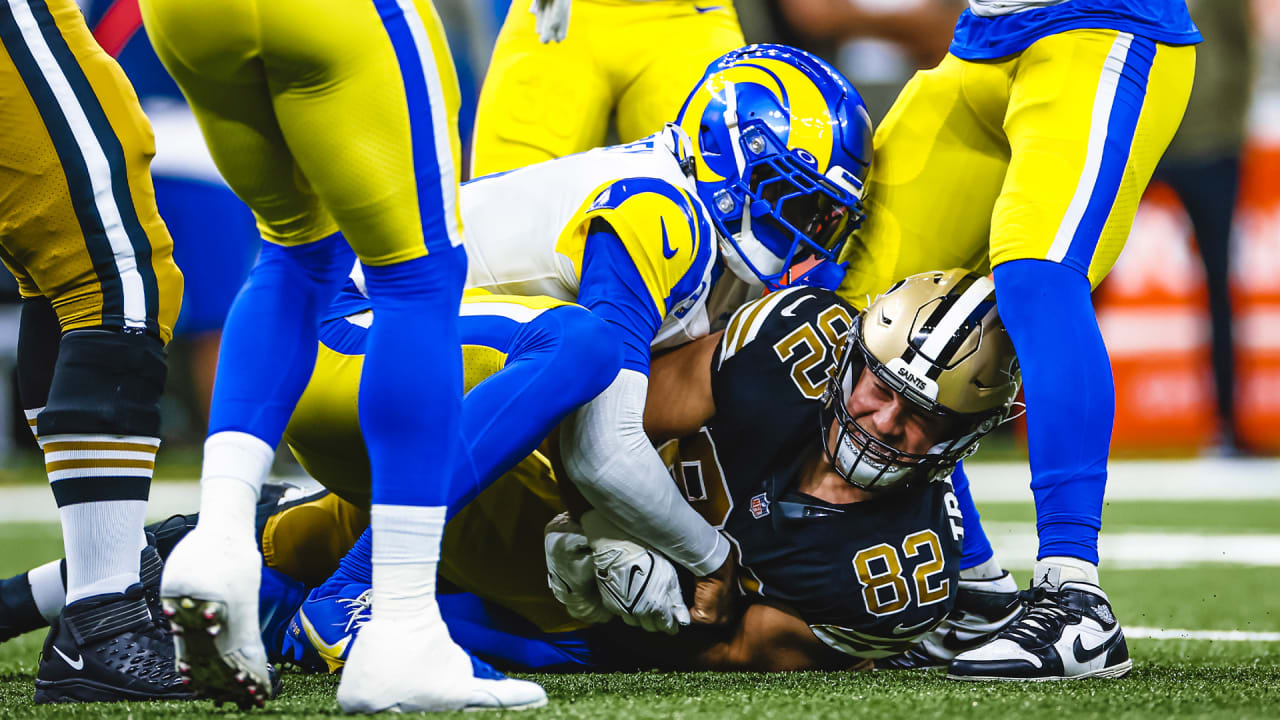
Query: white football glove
point(635, 581)
point(570, 573)
point(551, 19)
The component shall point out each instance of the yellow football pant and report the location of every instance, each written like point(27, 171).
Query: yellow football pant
point(639, 60)
point(78, 219)
point(325, 114)
point(1042, 155)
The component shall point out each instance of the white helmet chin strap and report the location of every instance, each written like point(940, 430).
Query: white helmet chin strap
point(755, 251)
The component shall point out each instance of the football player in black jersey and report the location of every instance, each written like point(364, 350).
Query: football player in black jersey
point(848, 537)
point(818, 440)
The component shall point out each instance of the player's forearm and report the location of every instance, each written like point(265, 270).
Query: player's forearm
point(610, 459)
point(765, 639)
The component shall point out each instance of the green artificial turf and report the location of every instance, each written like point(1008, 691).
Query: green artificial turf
point(1171, 679)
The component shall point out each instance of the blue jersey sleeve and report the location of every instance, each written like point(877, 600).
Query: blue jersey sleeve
point(612, 288)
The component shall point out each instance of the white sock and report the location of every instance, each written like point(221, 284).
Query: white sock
point(101, 540)
point(95, 480)
point(1055, 570)
point(235, 466)
point(406, 553)
point(988, 570)
point(47, 590)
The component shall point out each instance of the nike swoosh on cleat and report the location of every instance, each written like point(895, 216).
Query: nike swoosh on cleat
point(1084, 654)
point(331, 653)
point(77, 664)
point(709, 8)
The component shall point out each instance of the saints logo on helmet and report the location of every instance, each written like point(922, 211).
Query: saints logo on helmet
point(782, 145)
point(936, 340)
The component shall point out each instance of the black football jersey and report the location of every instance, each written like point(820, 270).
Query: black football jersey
point(868, 577)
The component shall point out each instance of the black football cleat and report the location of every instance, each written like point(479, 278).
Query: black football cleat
point(983, 608)
point(1067, 633)
point(108, 648)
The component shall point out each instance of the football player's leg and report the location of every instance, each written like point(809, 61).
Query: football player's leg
point(555, 362)
point(977, 550)
point(84, 233)
point(939, 165)
point(542, 101)
point(510, 641)
point(1085, 143)
point(213, 576)
point(663, 52)
point(1089, 116)
point(374, 132)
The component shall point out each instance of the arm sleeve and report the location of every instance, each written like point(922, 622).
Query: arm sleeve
point(613, 290)
point(619, 472)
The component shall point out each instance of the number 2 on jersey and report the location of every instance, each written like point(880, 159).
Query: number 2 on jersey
point(809, 346)
point(884, 589)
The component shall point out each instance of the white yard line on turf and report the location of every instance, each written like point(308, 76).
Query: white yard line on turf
point(1015, 545)
point(34, 503)
point(1213, 635)
point(1196, 479)
point(1153, 480)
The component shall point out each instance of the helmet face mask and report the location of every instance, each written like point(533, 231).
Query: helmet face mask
point(783, 144)
point(783, 205)
point(986, 363)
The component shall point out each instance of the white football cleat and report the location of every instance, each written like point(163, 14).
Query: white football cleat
point(209, 592)
point(393, 668)
point(1068, 632)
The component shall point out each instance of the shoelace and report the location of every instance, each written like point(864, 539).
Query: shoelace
point(1039, 622)
point(359, 609)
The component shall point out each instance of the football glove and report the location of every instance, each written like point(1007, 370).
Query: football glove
point(551, 19)
point(570, 573)
point(636, 582)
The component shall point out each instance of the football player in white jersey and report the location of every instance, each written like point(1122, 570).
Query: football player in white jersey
point(764, 168)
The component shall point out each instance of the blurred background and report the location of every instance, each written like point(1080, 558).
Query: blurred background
point(1191, 313)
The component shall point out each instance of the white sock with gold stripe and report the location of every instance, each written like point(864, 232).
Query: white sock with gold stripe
point(101, 484)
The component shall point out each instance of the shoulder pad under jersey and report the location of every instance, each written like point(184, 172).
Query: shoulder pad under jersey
point(665, 231)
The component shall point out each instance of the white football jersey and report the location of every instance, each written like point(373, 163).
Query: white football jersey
point(519, 225)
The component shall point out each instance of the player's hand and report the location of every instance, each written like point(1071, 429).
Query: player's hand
point(551, 18)
point(715, 598)
point(636, 583)
point(570, 573)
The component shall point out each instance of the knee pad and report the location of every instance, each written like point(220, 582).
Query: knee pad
point(105, 382)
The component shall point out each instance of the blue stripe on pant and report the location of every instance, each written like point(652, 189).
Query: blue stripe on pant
point(1126, 107)
point(426, 153)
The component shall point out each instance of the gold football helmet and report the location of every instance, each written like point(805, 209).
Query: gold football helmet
point(935, 339)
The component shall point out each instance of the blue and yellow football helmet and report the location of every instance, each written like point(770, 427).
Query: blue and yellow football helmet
point(782, 145)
